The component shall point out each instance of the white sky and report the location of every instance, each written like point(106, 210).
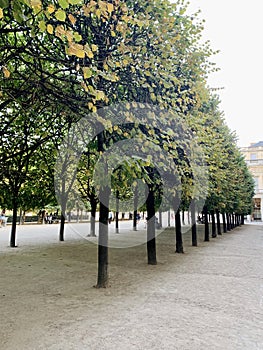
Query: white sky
point(235, 27)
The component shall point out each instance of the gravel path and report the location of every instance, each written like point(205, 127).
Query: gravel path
point(211, 297)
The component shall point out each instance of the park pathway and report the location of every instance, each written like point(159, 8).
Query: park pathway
point(211, 297)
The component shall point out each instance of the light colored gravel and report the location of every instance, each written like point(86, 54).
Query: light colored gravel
point(211, 297)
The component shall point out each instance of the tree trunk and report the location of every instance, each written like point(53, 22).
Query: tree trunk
point(103, 279)
point(169, 218)
point(13, 229)
point(233, 221)
point(117, 213)
point(224, 223)
point(93, 204)
point(213, 224)
point(228, 222)
point(151, 242)
point(62, 228)
point(183, 221)
point(193, 221)
point(104, 196)
point(242, 219)
point(178, 233)
point(160, 219)
point(218, 222)
point(206, 225)
point(135, 208)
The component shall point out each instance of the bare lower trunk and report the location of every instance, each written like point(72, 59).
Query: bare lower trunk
point(206, 225)
point(193, 220)
point(224, 223)
point(13, 229)
point(213, 224)
point(151, 242)
point(178, 233)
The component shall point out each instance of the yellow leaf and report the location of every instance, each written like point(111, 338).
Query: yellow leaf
point(112, 33)
point(36, 5)
point(100, 95)
point(51, 8)
point(1, 13)
point(50, 29)
point(90, 54)
point(125, 62)
point(72, 19)
point(110, 7)
point(94, 48)
point(80, 53)
point(90, 105)
point(6, 72)
point(98, 13)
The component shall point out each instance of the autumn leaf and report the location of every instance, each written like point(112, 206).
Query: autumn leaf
point(6, 72)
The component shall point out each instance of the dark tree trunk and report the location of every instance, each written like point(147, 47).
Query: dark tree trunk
point(102, 280)
point(13, 229)
point(62, 228)
point(193, 220)
point(242, 219)
point(206, 225)
point(178, 233)
point(228, 222)
point(218, 222)
point(151, 242)
point(169, 218)
point(233, 221)
point(224, 222)
point(135, 210)
point(160, 219)
point(117, 213)
point(93, 203)
point(213, 224)
point(104, 197)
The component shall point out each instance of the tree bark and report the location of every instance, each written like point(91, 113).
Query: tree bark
point(104, 197)
point(117, 213)
point(13, 229)
point(103, 279)
point(93, 204)
point(218, 222)
point(224, 222)
point(62, 228)
point(169, 218)
point(160, 219)
point(135, 208)
point(228, 222)
point(193, 221)
point(206, 225)
point(151, 241)
point(213, 224)
point(178, 233)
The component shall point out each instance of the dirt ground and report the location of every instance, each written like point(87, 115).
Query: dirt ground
point(211, 297)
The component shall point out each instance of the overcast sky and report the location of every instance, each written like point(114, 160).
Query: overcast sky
point(235, 27)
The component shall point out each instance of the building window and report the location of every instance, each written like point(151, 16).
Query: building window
point(256, 184)
point(253, 156)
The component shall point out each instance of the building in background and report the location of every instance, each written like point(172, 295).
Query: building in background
point(254, 159)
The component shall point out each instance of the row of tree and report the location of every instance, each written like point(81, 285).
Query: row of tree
point(117, 89)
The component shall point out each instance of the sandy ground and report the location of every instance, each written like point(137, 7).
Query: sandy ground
point(211, 297)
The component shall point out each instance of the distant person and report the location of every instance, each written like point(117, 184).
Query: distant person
point(2, 218)
point(110, 217)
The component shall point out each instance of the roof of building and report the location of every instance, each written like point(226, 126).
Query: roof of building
point(257, 144)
